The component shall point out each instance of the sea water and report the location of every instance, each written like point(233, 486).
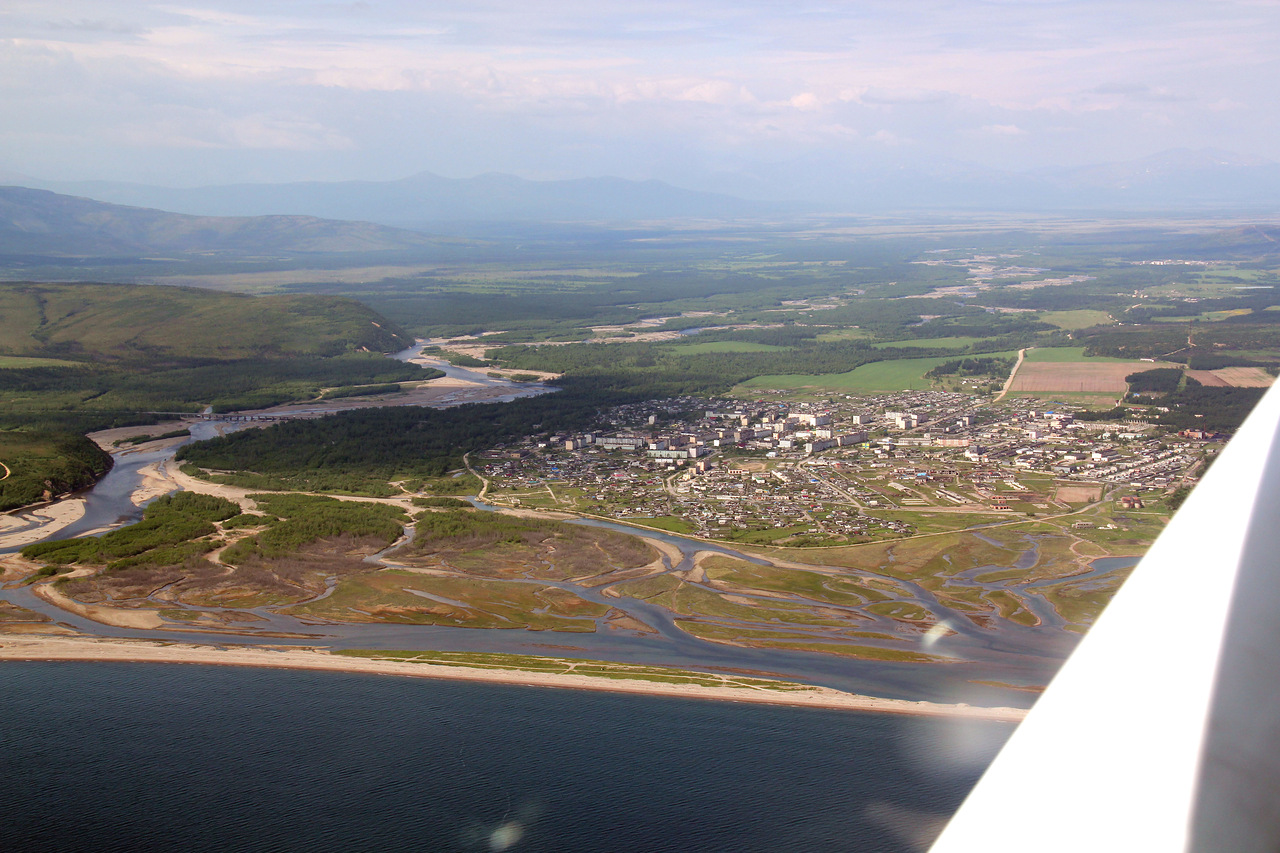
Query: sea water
point(153, 757)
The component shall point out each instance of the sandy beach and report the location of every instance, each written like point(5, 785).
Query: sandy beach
point(20, 647)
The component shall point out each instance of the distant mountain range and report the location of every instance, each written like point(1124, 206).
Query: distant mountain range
point(39, 222)
point(301, 217)
point(423, 199)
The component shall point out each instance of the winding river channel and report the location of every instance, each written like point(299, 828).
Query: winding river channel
point(1009, 654)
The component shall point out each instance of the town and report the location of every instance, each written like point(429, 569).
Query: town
point(849, 469)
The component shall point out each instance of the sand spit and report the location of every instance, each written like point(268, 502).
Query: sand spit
point(85, 649)
point(117, 617)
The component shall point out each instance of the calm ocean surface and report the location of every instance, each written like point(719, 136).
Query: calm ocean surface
point(147, 757)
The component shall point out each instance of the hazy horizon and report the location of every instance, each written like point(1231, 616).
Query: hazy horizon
point(734, 98)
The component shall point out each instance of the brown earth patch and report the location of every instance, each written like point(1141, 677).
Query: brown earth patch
point(1078, 494)
point(1207, 378)
point(1245, 377)
point(1078, 377)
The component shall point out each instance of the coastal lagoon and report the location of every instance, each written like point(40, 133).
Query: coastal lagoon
point(102, 756)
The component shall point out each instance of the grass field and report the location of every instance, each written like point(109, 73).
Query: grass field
point(845, 335)
point(1072, 320)
point(897, 375)
point(1204, 316)
point(1057, 355)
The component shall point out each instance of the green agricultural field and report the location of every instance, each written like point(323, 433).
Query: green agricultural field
point(1072, 320)
point(1058, 355)
point(845, 335)
point(1204, 317)
point(898, 375)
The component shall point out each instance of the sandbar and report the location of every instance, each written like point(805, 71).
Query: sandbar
point(25, 526)
point(29, 647)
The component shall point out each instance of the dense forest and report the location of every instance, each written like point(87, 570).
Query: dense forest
point(362, 450)
point(41, 465)
point(1212, 409)
point(1162, 380)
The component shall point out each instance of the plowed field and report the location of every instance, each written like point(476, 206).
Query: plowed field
point(1077, 377)
point(1236, 377)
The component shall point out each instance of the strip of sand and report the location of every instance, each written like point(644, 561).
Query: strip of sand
point(118, 617)
point(31, 525)
point(85, 649)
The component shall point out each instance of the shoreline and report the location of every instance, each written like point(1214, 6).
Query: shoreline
point(55, 648)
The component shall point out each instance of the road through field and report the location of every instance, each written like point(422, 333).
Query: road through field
point(1008, 383)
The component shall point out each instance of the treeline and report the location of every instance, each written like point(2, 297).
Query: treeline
point(971, 367)
point(1194, 406)
point(1215, 409)
point(1162, 380)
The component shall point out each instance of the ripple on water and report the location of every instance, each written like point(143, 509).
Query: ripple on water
point(145, 756)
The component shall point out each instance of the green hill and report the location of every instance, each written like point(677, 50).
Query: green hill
point(119, 322)
point(87, 356)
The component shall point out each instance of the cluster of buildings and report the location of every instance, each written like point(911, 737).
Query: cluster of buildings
point(848, 467)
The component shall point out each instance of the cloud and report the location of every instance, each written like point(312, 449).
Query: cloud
point(728, 79)
point(1002, 130)
point(115, 27)
point(805, 101)
point(888, 137)
point(901, 96)
point(194, 128)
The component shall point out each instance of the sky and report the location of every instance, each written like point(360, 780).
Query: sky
point(700, 93)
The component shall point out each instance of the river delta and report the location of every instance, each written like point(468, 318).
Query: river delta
point(865, 628)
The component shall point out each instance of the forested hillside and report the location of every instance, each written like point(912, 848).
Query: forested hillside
point(86, 356)
point(125, 322)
